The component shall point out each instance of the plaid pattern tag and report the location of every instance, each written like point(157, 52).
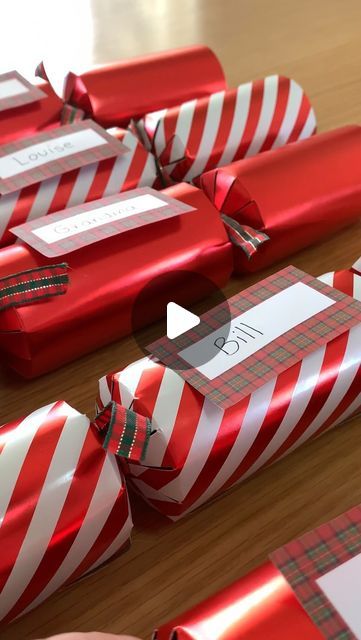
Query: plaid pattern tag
point(305, 560)
point(247, 238)
point(32, 93)
point(110, 149)
point(110, 225)
point(245, 378)
point(126, 433)
point(26, 287)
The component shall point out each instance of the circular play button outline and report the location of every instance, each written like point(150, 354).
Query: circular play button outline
point(192, 292)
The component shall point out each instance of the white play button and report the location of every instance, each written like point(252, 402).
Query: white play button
point(179, 320)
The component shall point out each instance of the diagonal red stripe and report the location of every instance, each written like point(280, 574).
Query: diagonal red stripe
point(225, 124)
point(113, 526)
point(63, 191)
point(70, 520)
point(253, 118)
point(343, 280)
point(180, 442)
point(28, 488)
point(100, 180)
point(303, 114)
point(21, 210)
point(333, 357)
point(136, 168)
point(194, 139)
point(281, 400)
point(346, 401)
point(279, 113)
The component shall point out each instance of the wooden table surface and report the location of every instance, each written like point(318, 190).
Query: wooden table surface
point(172, 566)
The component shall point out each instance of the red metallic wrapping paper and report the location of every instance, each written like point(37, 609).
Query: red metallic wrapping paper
point(347, 280)
point(260, 606)
point(288, 598)
point(63, 506)
point(106, 279)
point(135, 168)
point(29, 119)
point(215, 130)
point(198, 450)
point(113, 94)
point(297, 195)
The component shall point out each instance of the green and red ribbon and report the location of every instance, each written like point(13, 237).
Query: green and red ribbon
point(126, 432)
point(26, 287)
point(243, 236)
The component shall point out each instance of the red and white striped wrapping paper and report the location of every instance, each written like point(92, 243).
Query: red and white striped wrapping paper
point(63, 506)
point(211, 132)
point(136, 168)
point(348, 281)
point(199, 450)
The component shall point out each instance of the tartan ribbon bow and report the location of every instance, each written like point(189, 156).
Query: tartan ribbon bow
point(126, 432)
point(26, 287)
point(243, 236)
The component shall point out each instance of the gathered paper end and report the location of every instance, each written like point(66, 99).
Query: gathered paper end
point(40, 72)
point(126, 432)
point(244, 237)
point(33, 285)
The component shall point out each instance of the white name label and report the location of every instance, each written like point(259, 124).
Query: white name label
point(39, 154)
point(11, 88)
point(97, 217)
point(251, 331)
point(342, 586)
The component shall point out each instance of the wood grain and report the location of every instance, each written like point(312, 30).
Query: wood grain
point(172, 566)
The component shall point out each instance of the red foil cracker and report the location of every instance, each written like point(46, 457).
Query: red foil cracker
point(297, 196)
point(105, 280)
point(113, 94)
point(259, 606)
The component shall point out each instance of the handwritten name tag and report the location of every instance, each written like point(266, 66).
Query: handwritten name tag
point(251, 331)
point(55, 152)
point(16, 91)
point(41, 153)
point(60, 233)
point(245, 342)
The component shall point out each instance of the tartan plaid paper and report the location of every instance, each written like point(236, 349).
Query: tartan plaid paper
point(32, 93)
point(243, 379)
point(108, 229)
point(243, 236)
point(30, 286)
point(111, 148)
point(126, 433)
point(305, 560)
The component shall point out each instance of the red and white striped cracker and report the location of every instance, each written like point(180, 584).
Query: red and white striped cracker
point(347, 281)
point(229, 125)
point(136, 168)
point(199, 450)
point(63, 506)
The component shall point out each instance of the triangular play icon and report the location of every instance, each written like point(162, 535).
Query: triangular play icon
point(179, 320)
